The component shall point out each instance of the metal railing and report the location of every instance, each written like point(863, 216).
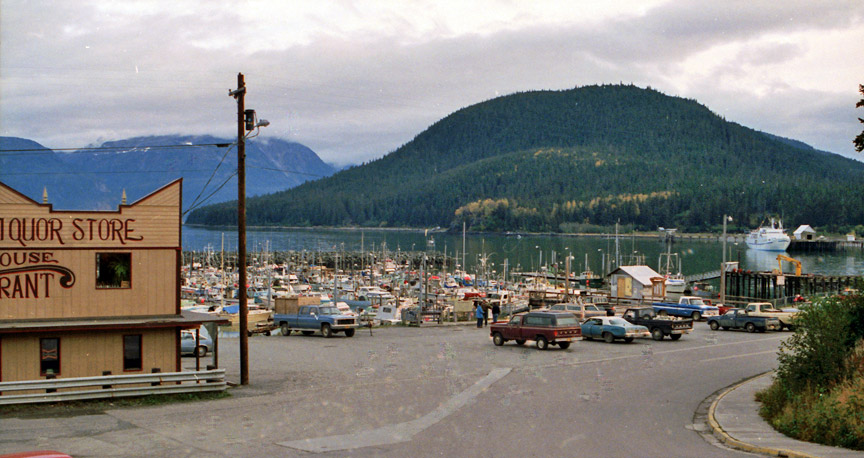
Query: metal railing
point(107, 386)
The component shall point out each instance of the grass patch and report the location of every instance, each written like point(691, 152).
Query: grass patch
point(831, 417)
point(96, 406)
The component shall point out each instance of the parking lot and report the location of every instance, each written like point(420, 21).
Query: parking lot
point(436, 390)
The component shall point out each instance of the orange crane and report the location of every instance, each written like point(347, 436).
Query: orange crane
point(783, 257)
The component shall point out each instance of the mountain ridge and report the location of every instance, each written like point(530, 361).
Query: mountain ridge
point(94, 178)
point(551, 160)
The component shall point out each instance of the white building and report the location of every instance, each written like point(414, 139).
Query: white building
point(804, 232)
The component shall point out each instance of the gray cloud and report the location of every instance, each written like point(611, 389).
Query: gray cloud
point(71, 75)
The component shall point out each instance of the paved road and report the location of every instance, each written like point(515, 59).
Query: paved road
point(434, 391)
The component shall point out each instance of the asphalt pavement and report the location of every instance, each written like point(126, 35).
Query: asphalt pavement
point(443, 391)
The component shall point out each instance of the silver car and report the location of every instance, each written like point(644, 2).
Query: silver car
point(187, 342)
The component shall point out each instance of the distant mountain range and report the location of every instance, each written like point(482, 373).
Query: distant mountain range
point(95, 178)
point(572, 159)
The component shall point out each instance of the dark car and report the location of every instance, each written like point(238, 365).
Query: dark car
point(659, 326)
point(544, 327)
point(739, 319)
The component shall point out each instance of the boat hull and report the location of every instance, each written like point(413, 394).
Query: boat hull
point(769, 245)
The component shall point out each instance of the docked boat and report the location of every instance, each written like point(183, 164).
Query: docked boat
point(671, 271)
point(769, 238)
point(254, 316)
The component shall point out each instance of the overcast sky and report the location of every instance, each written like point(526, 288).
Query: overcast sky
point(354, 80)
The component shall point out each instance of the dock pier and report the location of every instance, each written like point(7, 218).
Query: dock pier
point(748, 285)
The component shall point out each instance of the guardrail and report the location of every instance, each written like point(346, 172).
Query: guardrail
point(77, 388)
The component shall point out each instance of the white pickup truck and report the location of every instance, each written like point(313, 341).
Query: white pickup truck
point(787, 319)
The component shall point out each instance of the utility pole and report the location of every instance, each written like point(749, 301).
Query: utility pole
point(723, 263)
point(239, 94)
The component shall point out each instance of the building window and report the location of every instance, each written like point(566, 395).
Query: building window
point(132, 353)
point(49, 356)
point(113, 270)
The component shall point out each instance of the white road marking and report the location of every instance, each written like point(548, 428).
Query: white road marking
point(400, 432)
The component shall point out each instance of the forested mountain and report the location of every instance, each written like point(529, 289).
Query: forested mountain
point(557, 160)
point(95, 178)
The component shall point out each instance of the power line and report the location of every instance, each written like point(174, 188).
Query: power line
point(89, 149)
point(287, 171)
point(105, 172)
point(227, 150)
point(193, 206)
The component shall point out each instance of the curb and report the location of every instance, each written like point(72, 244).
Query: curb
point(724, 437)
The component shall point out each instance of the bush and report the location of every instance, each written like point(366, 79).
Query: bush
point(832, 417)
point(825, 335)
point(818, 392)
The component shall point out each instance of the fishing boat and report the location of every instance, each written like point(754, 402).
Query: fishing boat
point(769, 238)
point(669, 265)
point(254, 316)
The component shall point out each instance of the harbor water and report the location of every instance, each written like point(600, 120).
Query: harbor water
point(526, 253)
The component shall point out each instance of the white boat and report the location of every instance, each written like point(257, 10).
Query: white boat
point(675, 281)
point(770, 238)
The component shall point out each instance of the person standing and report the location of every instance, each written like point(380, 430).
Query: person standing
point(496, 310)
point(485, 306)
point(478, 313)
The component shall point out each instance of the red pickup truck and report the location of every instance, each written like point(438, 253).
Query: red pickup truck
point(544, 327)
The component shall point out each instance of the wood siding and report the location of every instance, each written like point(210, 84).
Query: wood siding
point(153, 289)
point(87, 354)
point(48, 258)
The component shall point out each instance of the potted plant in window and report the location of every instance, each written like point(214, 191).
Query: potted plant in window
point(121, 273)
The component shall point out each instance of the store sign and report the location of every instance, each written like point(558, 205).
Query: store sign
point(31, 275)
point(24, 231)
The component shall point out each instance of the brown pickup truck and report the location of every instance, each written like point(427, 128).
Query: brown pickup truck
point(544, 327)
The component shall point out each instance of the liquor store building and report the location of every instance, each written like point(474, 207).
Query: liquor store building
point(90, 293)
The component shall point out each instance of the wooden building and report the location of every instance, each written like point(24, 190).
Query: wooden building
point(636, 282)
point(88, 293)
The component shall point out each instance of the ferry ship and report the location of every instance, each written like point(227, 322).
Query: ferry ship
point(771, 238)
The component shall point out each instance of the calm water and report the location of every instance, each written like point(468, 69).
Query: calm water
point(523, 252)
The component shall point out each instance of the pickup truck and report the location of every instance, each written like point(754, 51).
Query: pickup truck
point(740, 319)
point(544, 327)
point(659, 326)
point(687, 306)
point(311, 318)
point(787, 319)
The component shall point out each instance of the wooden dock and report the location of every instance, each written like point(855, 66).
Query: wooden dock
point(769, 285)
point(823, 246)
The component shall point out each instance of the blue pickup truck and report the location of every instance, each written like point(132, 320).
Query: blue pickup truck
point(741, 319)
point(687, 306)
point(312, 318)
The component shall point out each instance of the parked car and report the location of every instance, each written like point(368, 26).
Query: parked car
point(610, 328)
point(659, 326)
point(766, 309)
point(740, 319)
point(582, 311)
point(311, 318)
point(187, 342)
point(600, 301)
point(687, 306)
point(544, 327)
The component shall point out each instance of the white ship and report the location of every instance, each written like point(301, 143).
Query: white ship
point(771, 238)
